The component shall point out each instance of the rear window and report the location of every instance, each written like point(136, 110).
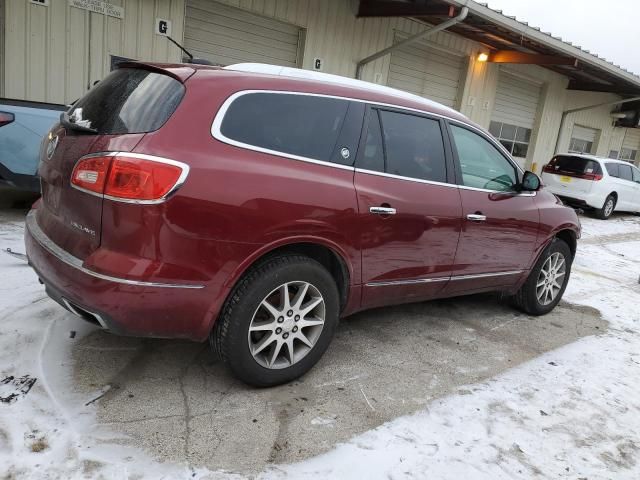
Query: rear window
point(577, 165)
point(128, 100)
point(302, 125)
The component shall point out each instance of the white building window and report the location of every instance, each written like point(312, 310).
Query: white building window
point(515, 139)
point(577, 145)
point(628, 154)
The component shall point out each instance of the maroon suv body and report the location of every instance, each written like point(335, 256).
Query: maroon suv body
point(398, 199)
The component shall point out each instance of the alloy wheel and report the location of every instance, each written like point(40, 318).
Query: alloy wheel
point(551, 278)
point(608, 208)
point(286, 325)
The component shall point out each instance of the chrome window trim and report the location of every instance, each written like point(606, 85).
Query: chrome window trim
point(219, 117)
point(443, 279)
point(45, 242)
point(181, 179)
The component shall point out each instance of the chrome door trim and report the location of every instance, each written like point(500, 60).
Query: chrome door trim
point(407, 282)
point(219, 117)
point(486, 275)
point(45, 242)
point(474, 217)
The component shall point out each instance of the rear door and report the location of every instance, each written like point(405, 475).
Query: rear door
point(113, 116)
point(627, 186)
point(636, 197)
point(409, 207)
point(500, 226)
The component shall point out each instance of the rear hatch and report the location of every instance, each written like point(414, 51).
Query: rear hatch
point(112, 117)
point(571, 174)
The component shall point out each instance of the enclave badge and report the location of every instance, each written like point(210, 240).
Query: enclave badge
point(51, 147)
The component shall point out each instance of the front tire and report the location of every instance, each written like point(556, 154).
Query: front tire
point(547, 281)
point(278, 321)
point(607, 208)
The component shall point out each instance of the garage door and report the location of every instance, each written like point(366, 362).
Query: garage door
point(631, 145)
point(426, 71)
point(514, 113)
point(225, 35)
point(583, 139)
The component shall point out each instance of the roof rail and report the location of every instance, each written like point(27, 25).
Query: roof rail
point(330, 78)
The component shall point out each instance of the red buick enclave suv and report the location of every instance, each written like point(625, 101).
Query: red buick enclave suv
point(256, 205)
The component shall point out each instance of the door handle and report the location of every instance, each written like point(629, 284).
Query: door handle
point(476, 217)
point(382, 210)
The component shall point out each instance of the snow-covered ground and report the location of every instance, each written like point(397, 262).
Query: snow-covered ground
point(571, 413)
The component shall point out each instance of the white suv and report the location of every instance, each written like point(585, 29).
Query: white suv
point(587, 181)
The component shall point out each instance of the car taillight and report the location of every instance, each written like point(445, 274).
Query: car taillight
point(592, 176)
point(6, 118)
point(129, 177)
point(548, 168)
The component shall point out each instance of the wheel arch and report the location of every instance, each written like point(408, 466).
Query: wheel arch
point(570, 238)
point(329, 255)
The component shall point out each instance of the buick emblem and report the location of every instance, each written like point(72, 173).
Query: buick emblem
point(345, 153)
point(51, 147)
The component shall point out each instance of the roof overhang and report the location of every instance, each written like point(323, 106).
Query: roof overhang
point(508, 40)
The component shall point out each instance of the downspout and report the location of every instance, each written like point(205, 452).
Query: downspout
point(589, 107)
point(438, 28)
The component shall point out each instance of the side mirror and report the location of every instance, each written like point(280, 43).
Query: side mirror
point(530, 182)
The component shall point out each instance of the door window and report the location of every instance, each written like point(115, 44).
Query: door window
point(636, 174)
point(481, 164)
point(414, 146)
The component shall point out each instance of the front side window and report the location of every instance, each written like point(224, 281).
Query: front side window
point(414, 146)
point(481, 164)
point(302, 125)
point(372, 157)
point(636, 174)
point(514, 139)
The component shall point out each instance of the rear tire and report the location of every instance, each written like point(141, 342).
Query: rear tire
point(278, 321)
point(607, 209)
point(547, 281)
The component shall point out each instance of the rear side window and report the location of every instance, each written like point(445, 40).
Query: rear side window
point(302, 125)
point(414, 146)
point(372, 157)
point(625, 172)
point(613, 169)
point(128, 100)
point(577, 165)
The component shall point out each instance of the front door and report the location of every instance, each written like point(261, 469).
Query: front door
point(409, 208)
point(500, 226)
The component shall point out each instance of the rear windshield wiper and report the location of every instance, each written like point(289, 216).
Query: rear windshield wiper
point(67, 123)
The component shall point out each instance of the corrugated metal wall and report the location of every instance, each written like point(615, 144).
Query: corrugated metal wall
point(57, 51)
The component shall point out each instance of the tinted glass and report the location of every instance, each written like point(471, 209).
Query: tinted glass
point(636, 175)
point(302, 125)
point(570, 164)
point(372, 157)
point(625, 172)
point(482, 165)
point(612, 169)
point(413, 146)
point(128, 100)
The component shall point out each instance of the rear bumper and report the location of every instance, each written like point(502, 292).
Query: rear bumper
point(577, 199)
point(123, 306)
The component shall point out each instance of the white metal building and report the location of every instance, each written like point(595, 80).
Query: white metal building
point(524, 91)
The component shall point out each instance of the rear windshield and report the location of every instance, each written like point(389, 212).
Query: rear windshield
point(128, 100)
point(579, 165)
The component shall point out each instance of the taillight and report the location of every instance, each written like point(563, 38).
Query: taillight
point(129, 177)
point(592, 176)
point(6, 118)
point(548, 168)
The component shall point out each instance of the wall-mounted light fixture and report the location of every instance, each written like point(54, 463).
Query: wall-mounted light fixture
point(483, 57)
